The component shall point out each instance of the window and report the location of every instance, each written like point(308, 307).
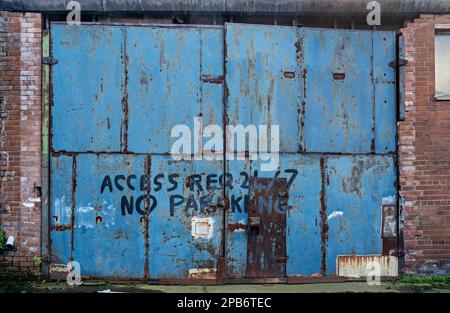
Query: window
point(442, 64)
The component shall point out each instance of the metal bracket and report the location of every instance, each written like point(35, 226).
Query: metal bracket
point(49, 61)
point(398, 63)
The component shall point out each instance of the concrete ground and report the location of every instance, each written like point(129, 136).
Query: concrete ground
point(347, 287)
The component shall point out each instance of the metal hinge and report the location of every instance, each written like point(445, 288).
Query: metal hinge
point(282, 259)
point(49, 61)
point(398, 63)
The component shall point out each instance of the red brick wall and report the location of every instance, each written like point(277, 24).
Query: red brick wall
point(424, 155)
point(20, 136)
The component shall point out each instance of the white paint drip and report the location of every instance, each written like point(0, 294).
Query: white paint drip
point(63, 211)
point(31, 202)
point(390, 200)
point(85, 217)
point(335, 214)
point(108, 214)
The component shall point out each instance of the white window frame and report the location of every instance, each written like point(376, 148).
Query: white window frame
point(442, 93)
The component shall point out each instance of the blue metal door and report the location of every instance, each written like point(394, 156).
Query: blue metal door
point(121, 203)
point(333, 94)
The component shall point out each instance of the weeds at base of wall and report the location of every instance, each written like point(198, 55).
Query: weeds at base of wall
point(2, 239)
point(426, 279)
point(17, 282)
point(418, 284)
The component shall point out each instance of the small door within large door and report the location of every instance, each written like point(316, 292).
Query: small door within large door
point(266, 250)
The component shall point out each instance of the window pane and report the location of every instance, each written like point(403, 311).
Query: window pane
point(442, 67)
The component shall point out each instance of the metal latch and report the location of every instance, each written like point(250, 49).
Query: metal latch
point(398, 63)
point(288, 74)
point(338, 76)
point(49, 61)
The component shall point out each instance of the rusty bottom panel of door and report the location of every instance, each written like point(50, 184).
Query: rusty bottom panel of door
point(266, 251)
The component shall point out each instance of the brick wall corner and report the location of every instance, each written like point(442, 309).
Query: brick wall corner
point(20, 137)
point(424, 155)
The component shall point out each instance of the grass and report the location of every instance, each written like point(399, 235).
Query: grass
point(16, 283)
point(422, 283)
point(445, 279)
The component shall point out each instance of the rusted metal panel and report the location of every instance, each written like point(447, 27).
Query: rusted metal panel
point(389, 222)
point(303, 239)
point(61, 208)
point(167, 83)
point(385, 101)
point(186, 226)
point(358, 266)
point(266, 250)
point(315, 279)
point(354, 191)
point(258, 91)
point(87, 85)
point(340, 118)
point(389, 228)
point(123, 207)
point(110, 215)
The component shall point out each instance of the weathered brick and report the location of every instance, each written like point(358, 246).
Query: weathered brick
point(20, 85)
point(425, 178)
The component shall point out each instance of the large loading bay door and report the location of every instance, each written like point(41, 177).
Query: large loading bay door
point(120, 204)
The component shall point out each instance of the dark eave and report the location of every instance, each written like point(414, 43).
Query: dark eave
point(316, 7)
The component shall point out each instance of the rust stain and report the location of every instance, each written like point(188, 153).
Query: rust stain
point(144, 220)
point(236, 226)
point(323, 217)
point(61, 227)
point(212, 79)
point(124, 92)
point(353, 184)
point(143, 78)
point(188, 182)
point(304, 76)
point(288, 74)
point(301, 112)
point(355, 265)
point(372, 144)
point(118, 234)
point(266, 245)
point(338, 76)
point(74, 190)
